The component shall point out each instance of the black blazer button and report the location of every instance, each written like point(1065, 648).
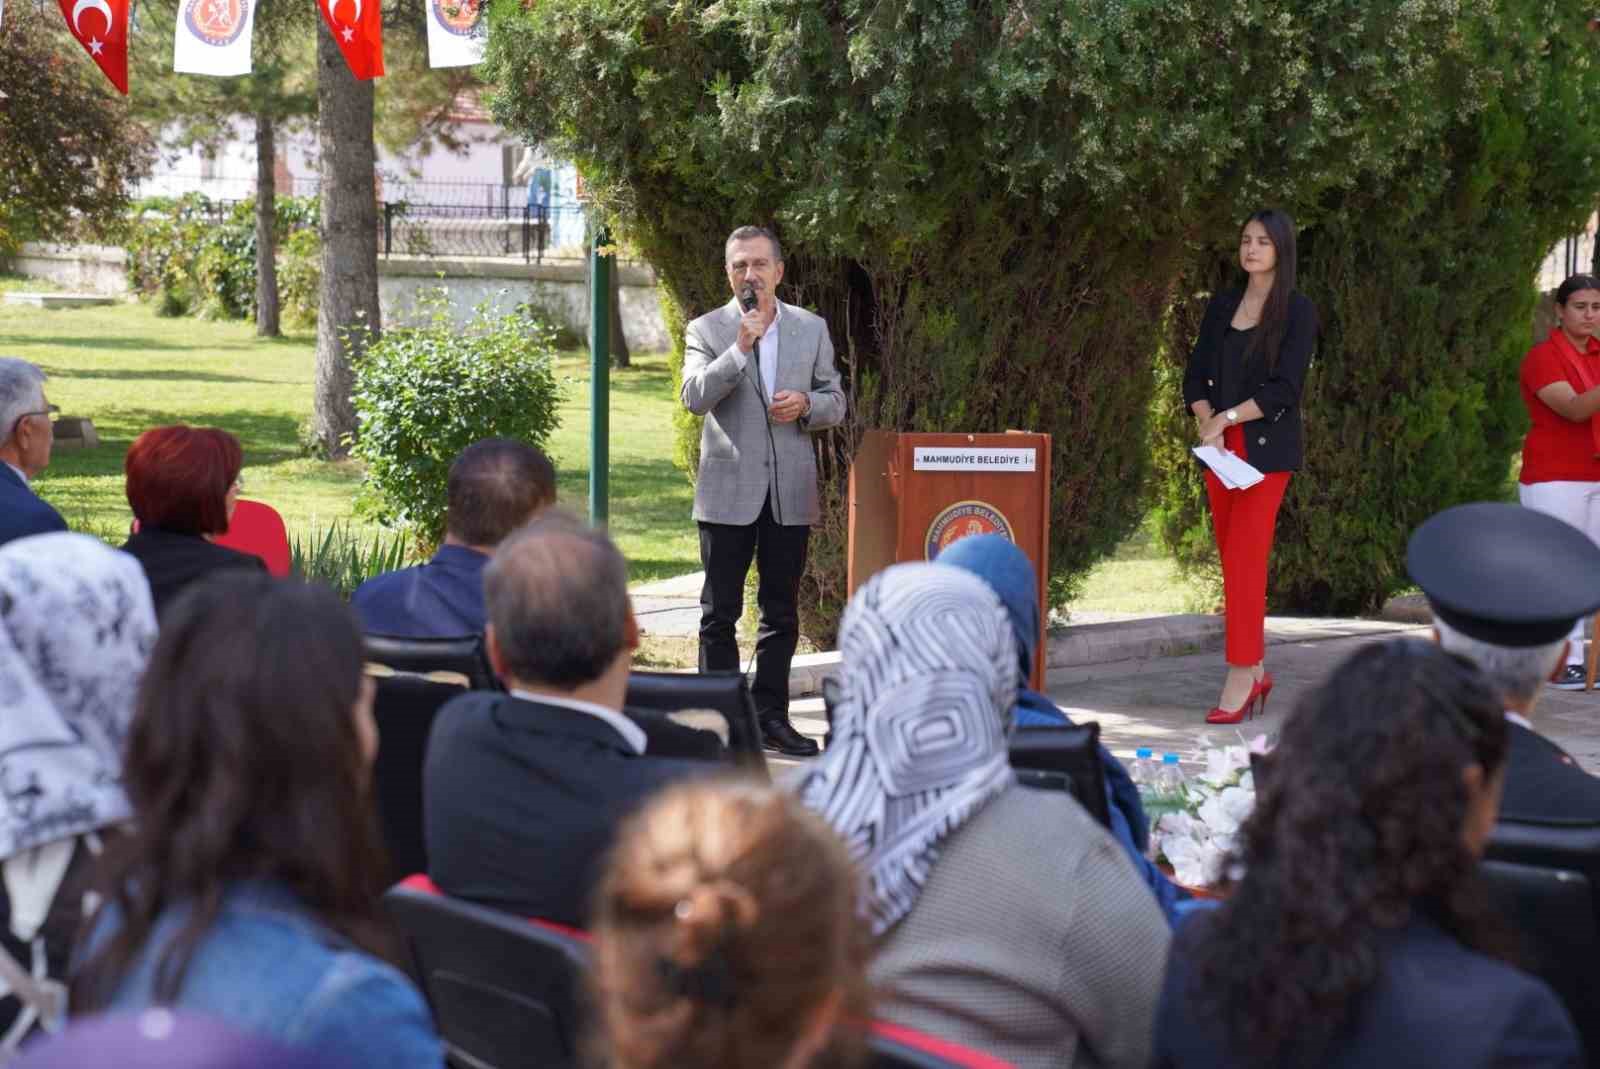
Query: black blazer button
point(1210, 383)
point(1261, 441)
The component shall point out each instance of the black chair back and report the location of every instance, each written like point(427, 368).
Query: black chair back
point(724, 693)
point(505, 992)
point(1545, 879)
point(1063, 758)
point(404, 708)
point(464, 656)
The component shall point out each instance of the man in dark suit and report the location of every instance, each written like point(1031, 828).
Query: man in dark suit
point(495, 486)
point(522, 791)
point(1506, 585)
point(26, 420)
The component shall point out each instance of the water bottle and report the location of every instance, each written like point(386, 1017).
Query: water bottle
point(1143, 771)
point(1167, 792)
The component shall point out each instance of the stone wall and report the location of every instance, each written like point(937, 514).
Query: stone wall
point(559, 290)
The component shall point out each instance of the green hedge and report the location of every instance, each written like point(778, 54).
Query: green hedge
point(1424, 281)
point(991, 204)
point(195, 256)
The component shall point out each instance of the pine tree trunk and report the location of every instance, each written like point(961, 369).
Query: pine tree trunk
point(619, 340)
point(266, 212)
point(347, 307)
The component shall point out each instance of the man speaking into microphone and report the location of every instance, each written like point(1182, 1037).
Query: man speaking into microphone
point(761, 373)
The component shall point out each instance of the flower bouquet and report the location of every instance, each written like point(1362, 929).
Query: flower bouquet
point(1196, 824)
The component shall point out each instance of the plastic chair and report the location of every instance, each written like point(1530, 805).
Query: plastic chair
point(404, 708)
point(724, 693)
point(256, 528)
point(505, 994)
point(1545, 878)
point(1065, 758)
point(894, 1046)
point(463, 656)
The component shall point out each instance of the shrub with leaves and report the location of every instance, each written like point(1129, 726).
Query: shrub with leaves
point(425, 392)
point(343, 559)
point(990, 203)
point(197, 256)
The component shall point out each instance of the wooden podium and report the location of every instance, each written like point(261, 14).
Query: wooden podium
point(911, 495)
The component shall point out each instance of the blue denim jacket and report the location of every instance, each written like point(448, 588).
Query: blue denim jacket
point(267, 966)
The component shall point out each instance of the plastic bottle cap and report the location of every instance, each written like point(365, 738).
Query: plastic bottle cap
point(1169, 758)
point(1142, 752)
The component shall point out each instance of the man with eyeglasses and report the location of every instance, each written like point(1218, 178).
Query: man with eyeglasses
point(27, 421)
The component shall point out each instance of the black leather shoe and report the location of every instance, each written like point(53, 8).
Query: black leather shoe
point(779, 736)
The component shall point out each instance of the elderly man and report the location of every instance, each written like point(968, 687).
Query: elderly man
point(495, 486)
point(761, 373)
point(26, 420)
point(1506, 585)
point(522, 791)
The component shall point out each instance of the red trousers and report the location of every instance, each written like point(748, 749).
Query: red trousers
point(1244, 522)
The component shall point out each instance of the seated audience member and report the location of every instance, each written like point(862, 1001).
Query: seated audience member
point(1359, 934)
point(999, 562)
point(75, 630)
point(1506, 584)
point(183, 484)
point(727, 935)
point(161, 1039)
point(26, 423)
point(247, 889)
point(1007, 919)
point(495, 486)
point(522, 791)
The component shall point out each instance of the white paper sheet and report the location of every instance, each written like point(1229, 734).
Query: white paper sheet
point(1235, 472)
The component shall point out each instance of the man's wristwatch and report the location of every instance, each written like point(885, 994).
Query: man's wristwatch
point(1233, 415)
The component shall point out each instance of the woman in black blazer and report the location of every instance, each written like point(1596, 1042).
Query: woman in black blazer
point(1360, 934)
point(1243, 385)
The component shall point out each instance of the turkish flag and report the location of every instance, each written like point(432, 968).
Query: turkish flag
point(101, 27)
point(357, 25)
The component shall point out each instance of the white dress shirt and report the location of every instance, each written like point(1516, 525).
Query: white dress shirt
point(767, 347)
point(631, 733)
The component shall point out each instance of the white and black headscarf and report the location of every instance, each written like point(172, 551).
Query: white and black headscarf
point(76, 629)
point(919, 732)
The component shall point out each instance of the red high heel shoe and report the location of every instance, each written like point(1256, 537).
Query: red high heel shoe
point(1265, 684)
point(1257, 694)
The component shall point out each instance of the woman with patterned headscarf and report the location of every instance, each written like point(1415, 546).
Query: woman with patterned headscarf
point(1006, 918)
point(76, 628)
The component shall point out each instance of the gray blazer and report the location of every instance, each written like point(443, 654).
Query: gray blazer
point(1033, 940)
point(736, 457)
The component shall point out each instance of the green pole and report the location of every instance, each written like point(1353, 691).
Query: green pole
point(599, 380)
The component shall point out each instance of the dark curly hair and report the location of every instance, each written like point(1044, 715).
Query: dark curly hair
point(1357, 826)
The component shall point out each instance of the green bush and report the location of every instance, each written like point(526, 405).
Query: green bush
point(425, 392)
point(300, 278)
point(341, 558)
point(1424, 282)
point(990, 204)
point(197, 256)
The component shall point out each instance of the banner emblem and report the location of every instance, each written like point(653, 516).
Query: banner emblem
point(962, 519)
point(464, 20)
point(217, 22)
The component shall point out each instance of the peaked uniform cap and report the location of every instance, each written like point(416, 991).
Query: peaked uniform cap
point(1505, 574)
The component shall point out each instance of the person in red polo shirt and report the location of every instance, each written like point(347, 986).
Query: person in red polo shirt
point(1561, 454)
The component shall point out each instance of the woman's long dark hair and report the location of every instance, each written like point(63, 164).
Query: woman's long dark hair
point(1274, 323)
point(243, 762)
point(1357, 827)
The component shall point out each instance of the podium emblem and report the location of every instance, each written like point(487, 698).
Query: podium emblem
point(962, 519)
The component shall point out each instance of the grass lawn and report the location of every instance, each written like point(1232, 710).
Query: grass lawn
point(128, 370)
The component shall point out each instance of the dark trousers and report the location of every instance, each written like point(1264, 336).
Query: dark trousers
point(780, 556)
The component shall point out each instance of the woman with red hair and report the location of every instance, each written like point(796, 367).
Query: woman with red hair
point(183, 483)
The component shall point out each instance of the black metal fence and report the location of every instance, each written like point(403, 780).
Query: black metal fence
point(517, 230)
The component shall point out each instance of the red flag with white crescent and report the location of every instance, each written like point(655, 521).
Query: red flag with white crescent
point(101, 27)
point(357, 25)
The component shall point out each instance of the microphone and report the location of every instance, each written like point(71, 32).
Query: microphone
point(747, 301)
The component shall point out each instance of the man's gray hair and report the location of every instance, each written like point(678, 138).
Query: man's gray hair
point(1515, 672)
point(21, 390)
point(749, 233)
point(557, 594)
